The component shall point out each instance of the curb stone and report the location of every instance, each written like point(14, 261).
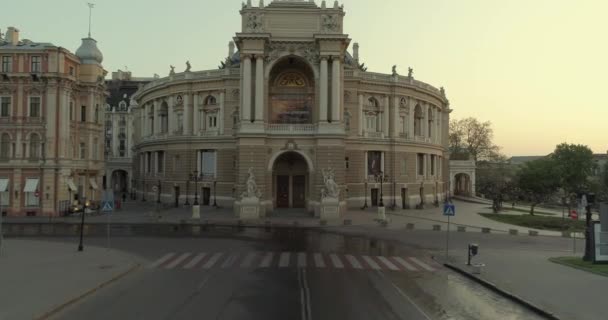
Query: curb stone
point(504, 293)
point(85, 294)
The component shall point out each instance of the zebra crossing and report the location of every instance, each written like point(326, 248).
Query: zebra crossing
point(265, 260)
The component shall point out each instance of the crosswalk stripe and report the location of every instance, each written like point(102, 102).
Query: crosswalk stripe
point(284, 260)
point(422, 264)
point(162, 260)
point(195, 260)
point(353, 261)
point(405, 264)
point(301, 260)
point(336, 261)
point(387, 263)
point(248, 260)
point(229, 261)
point(212, 260)
point(319, 263)
point(267, 260)
point(177, 261)
point(371, 262)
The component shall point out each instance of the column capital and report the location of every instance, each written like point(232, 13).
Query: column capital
point(336, 59)
point(260, 57)
point(326, 58)
point(246, 56)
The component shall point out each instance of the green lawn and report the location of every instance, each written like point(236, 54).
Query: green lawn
point(536, 211)
point(537, 222)
point(578, 263)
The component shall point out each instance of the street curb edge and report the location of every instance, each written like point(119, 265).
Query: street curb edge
point(502, 292)
point(89, 292)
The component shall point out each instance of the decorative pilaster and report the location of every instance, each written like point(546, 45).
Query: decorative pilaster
point(259, 89)
point(323, 88)
point(385, 116)
point(171, 116)
point(395, 118)
point(336, 95)
point(188, 113)
point(197, 115)
point(361, 115)
point(246, 100)
point(222, 113)
point(156, 113)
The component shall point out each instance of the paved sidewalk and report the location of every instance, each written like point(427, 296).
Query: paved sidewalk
point(37, 277)
point(566, 292)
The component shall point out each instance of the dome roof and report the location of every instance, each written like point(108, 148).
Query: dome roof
point(88, 52)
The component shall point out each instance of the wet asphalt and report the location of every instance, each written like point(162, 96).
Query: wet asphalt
point(310, 275)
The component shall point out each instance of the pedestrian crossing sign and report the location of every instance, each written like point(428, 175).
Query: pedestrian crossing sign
point(449, 209)
point(107, 206)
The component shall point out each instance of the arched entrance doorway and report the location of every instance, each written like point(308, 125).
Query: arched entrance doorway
point(290, 180)
point(463, 185)
point(119, 181)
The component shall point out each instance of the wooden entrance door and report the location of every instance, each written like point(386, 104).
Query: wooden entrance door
point(374, 197)
point(403, 198)
point(299, 191)
point(206, 196)
point(282, 191)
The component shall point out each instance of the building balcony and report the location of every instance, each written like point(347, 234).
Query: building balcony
point(373, 134)
point(292, 129)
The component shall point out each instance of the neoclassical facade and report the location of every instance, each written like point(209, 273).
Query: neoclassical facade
point(291, 101)
point(51, 120)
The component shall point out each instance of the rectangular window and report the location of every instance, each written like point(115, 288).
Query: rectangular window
point(207, 165)
point(371, 123)
point(148, 162)
point(346, 163)
point(420, 164)
point(97, 114)
point(5, 199)
point(160, 161)
point(31, 186)
point(374, 163)
point(5, 106)
point(35, 63)
point(35, 107)
point(7, 64)
point(402, 126)
point(433, 157)
point(83, 114)
point(83, 151)
point(71, 70)
point(122, 148)
point(212, 121)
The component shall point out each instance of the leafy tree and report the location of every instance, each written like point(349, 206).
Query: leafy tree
point(574, 164)
point(471, 136)
point(538, 181)
point(496, 180)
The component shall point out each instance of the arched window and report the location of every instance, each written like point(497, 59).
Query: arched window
point(5, 146)
point(210, 100)
point(291, 92)
point(122, 106)
point(418, 120)
point(34, 146)
point(164, 117)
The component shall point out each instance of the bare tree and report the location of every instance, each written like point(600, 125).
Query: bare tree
point(470, 136)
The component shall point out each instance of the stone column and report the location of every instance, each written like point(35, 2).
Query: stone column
point(385, 116)
point(142, 114)
point(411, 118)
point(323, 83)
point(336, 90)
point(156, 117)
point(395, 123)
point(171, 116)
point(259, 89)
point(197, 116)
point(222, 113)
point(188, 114)
point(115, 133)
point(246, 100)
point(360, 115)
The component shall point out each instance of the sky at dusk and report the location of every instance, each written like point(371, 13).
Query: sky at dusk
point(535, 68)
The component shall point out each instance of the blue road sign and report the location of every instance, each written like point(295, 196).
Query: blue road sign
point(449, 209)
point(107, 206)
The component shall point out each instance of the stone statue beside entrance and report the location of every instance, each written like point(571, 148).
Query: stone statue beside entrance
point(252, 187)
point(249, 205)
point(329, 207)
point(331, 189)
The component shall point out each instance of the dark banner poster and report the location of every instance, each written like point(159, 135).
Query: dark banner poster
point(374, 159)
point(291, 108)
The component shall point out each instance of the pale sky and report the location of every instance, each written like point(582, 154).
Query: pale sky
point(535, 68)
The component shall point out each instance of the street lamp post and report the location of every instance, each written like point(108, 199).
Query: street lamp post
point(215, 194)
point(194, 176)
point(158, 192)
point(380, 177)
point(187, 203)
point(84, 210)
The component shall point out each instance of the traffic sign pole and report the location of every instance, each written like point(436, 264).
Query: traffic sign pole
point(447, 243)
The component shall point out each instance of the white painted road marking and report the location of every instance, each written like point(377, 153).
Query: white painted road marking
point(371, 262)
point(161, 260)
point(353, 261)
point(336, 261)
point(284, 260)
point(319, 263)
point(212, 260)
point(387, 263)
point(195, 261)
point(267, 260)
point(177, 261)
point(405, 264)
point(422, 264)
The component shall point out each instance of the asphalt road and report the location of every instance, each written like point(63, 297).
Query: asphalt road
point(287, 275)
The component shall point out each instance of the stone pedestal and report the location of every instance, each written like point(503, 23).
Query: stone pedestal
point(248, 208)
point(382, 213)
point(196, 212)
point(329, 209)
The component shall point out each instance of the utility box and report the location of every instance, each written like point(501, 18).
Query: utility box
point(600, 236)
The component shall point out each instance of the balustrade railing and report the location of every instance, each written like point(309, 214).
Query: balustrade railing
point(291, 128)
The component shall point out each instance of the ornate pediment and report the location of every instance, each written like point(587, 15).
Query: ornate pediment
point(309, 51)
point(8, 89)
